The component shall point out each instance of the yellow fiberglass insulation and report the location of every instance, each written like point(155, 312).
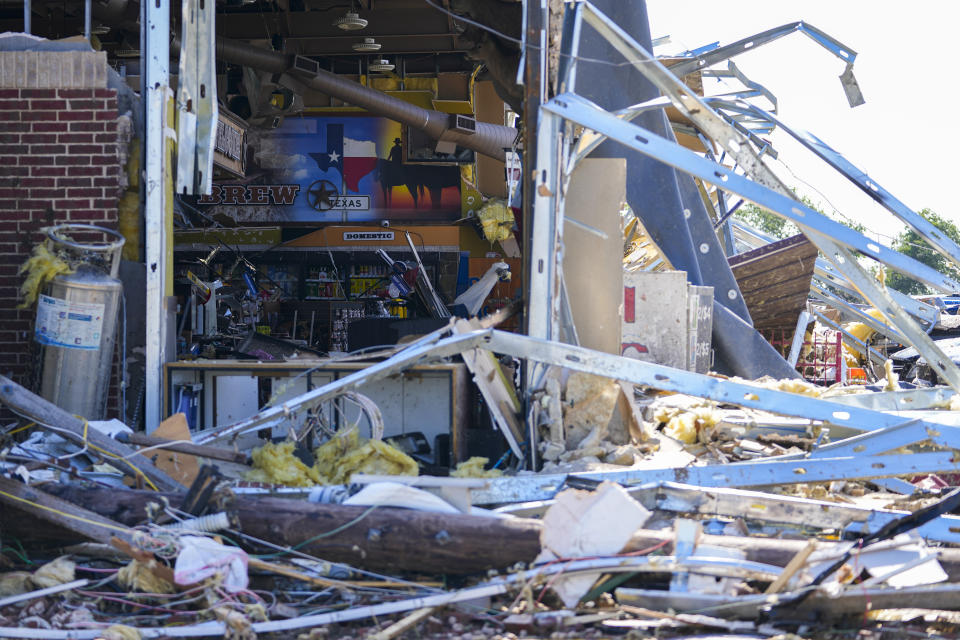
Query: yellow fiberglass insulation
point(891, 378)
point(474, 468)
point(687, 425)
point(276, 464)
point(120, 632)
point(15, 582)
point(335, 461)
point(41, 267)
point(790, 385)
point(59, 571)
point(497, 221)
point(347, 453)
point(138, 576)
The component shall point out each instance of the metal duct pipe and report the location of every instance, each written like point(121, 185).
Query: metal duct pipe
point(26, 16)
point(489, 139)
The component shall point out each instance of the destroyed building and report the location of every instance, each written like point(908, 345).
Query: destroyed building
point(436, 318)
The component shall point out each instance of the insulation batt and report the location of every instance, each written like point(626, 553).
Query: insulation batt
point(121, 632)
point(335, 461)
point(137, 575)
point(474, 468)
point(41, 267)
point(497, 221)
point(59, 571)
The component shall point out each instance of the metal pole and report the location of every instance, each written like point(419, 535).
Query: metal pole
point(26, 16)
point(157, 76)
point(86, 19)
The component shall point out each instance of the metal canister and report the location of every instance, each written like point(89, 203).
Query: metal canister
point(77, 321)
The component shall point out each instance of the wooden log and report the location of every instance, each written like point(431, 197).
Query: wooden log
point(383, 538)
point(60, 513)
point(47, 414)
point(201, 450)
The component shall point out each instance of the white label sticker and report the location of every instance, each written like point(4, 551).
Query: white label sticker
point(62, 323)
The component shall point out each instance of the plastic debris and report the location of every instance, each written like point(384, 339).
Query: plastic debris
point(203, 558)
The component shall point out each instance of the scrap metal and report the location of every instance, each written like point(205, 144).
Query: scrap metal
point(833, 239)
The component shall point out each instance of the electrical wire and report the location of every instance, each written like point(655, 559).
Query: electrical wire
point(514, 40)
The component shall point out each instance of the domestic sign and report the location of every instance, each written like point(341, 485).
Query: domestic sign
point(359, 236)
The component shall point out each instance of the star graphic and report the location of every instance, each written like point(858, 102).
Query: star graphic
point(334, 156)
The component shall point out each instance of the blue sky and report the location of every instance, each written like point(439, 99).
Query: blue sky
point(904, 137)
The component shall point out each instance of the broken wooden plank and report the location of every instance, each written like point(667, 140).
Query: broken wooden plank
point(403, 624)
point(183, 467)
point(795, 564)
point(49, 416)
point(784, 267)
point(498, 392)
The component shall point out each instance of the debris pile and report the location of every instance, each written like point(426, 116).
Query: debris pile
point(671, 538)
point(802, 487)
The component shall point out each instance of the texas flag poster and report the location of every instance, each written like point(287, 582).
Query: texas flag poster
point(355, 169)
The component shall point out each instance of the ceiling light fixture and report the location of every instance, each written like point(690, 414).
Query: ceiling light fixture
point(350, 21)
point(368, 45)
point(380, 65)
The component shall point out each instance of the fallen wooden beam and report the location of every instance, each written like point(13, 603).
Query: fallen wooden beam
point(57, 512)
point(201, 450)
point(381, 538)
point(49, 416)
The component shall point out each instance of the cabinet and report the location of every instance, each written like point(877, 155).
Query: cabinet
point(431, 399)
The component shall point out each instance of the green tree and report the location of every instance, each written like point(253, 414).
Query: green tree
point(770, 223)
point(911, 244)
point(778, 226)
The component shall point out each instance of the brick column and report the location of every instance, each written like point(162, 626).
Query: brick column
point(59, 163)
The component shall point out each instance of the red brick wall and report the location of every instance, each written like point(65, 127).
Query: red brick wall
point(59, 163)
